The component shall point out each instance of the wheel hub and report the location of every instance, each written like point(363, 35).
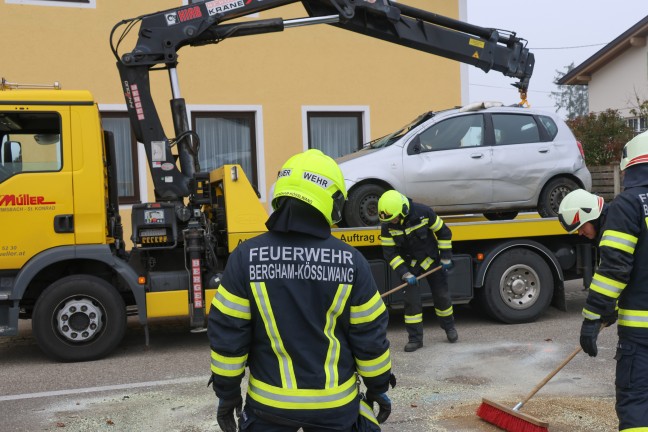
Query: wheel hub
point(520, 287)
point(79, 320)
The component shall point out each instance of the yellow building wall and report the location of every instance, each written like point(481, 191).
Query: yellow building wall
point(312, 65)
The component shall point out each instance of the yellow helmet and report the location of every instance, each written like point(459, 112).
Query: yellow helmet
point(391, 204)
point(635, 151)
point(578, 207)
point(314, 178)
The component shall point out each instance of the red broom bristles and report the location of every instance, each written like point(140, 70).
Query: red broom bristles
point(507, 419)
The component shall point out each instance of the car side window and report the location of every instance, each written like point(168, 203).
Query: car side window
point(453, 133)
point(515, 129)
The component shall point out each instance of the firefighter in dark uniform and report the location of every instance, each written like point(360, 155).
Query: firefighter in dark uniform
point(301, 310)
point(415, 240)
point(619, 288)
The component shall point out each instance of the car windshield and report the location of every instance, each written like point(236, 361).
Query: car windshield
point(388, 140)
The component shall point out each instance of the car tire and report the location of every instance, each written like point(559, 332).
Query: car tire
point(499, 216)
point(361, 208)
point(79, 318)
point(552, 194)
point(518, 287)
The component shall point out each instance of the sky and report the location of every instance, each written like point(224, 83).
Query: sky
point(558, 33)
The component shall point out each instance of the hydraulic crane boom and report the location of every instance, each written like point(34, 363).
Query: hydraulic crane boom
point(162, 34)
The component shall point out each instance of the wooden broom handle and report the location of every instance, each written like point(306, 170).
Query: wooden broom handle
point(550, 375)
point(400, 287)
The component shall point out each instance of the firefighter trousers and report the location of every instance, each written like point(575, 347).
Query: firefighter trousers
point(631, 384)
point(438, 282)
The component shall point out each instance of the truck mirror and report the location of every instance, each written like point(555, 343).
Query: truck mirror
point(12, 155)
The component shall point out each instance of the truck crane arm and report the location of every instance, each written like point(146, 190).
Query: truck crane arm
point(162, 34)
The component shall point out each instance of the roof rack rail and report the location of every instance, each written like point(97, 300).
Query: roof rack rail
point(6, 85)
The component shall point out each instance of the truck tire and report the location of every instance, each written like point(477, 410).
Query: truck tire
point(552, 194)
point(361, 208)
point(518, 287)
point(79, 318)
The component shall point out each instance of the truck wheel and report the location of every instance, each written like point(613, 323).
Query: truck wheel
point(79, 318)
point(518, 287)
point(361, 208)
point(552, 194)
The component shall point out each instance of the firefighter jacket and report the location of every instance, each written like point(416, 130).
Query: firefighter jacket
point(621, 279)
point(415, 242)
point(303, 312)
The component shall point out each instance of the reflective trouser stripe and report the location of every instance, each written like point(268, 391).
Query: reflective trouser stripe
point(413, 319)
point(302, 399)
point(443, 313)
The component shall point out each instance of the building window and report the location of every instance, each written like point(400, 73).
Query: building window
point(335, 133)
point(227, 138)
point(637, 124)
point(63, 3)
point(126, 155)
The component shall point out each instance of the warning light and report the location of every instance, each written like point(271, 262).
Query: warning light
point(141, 280)
point(480, 257)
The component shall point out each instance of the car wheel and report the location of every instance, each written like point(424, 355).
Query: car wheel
point(361, 208)
point(498, 216)
point(518, 287)
point(552, 194)
point(79, 318)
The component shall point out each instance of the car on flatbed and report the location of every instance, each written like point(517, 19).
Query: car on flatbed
point(482, 158)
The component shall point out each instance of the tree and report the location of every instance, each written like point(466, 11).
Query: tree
point(602, 136)
point(572, 98)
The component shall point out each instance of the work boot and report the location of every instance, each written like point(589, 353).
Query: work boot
point(413, 346)
point(452, 335)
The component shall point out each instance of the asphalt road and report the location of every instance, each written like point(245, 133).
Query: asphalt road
point(162, 387)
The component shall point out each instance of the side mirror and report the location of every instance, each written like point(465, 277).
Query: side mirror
point(12, 155)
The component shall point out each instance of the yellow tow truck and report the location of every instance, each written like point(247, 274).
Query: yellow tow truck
point(63, 259)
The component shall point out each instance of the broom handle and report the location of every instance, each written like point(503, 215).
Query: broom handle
point(549, 376)
point(400, 287)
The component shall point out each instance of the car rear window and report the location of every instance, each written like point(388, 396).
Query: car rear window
point(550, 126)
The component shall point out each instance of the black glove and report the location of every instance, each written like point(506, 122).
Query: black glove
point(384, 404)
point(225, 413)
point(589, 333)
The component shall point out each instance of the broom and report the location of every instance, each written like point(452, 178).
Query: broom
point(512, 420)
point(400, 287)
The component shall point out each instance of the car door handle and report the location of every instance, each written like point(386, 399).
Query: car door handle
point(64, 223)
point(477, 155)
point(543, 150)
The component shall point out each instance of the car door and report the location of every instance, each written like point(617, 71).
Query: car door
point(447, 165)
point(521, 159)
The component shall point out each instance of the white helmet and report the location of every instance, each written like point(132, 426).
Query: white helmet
point(635, 151)
point(578, 207)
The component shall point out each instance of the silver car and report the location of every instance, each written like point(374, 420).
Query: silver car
point(482, 158)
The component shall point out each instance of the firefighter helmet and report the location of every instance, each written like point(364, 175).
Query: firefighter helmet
point(314, 178)
point(635, 151)
point(578, 207)
point(392, 204)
